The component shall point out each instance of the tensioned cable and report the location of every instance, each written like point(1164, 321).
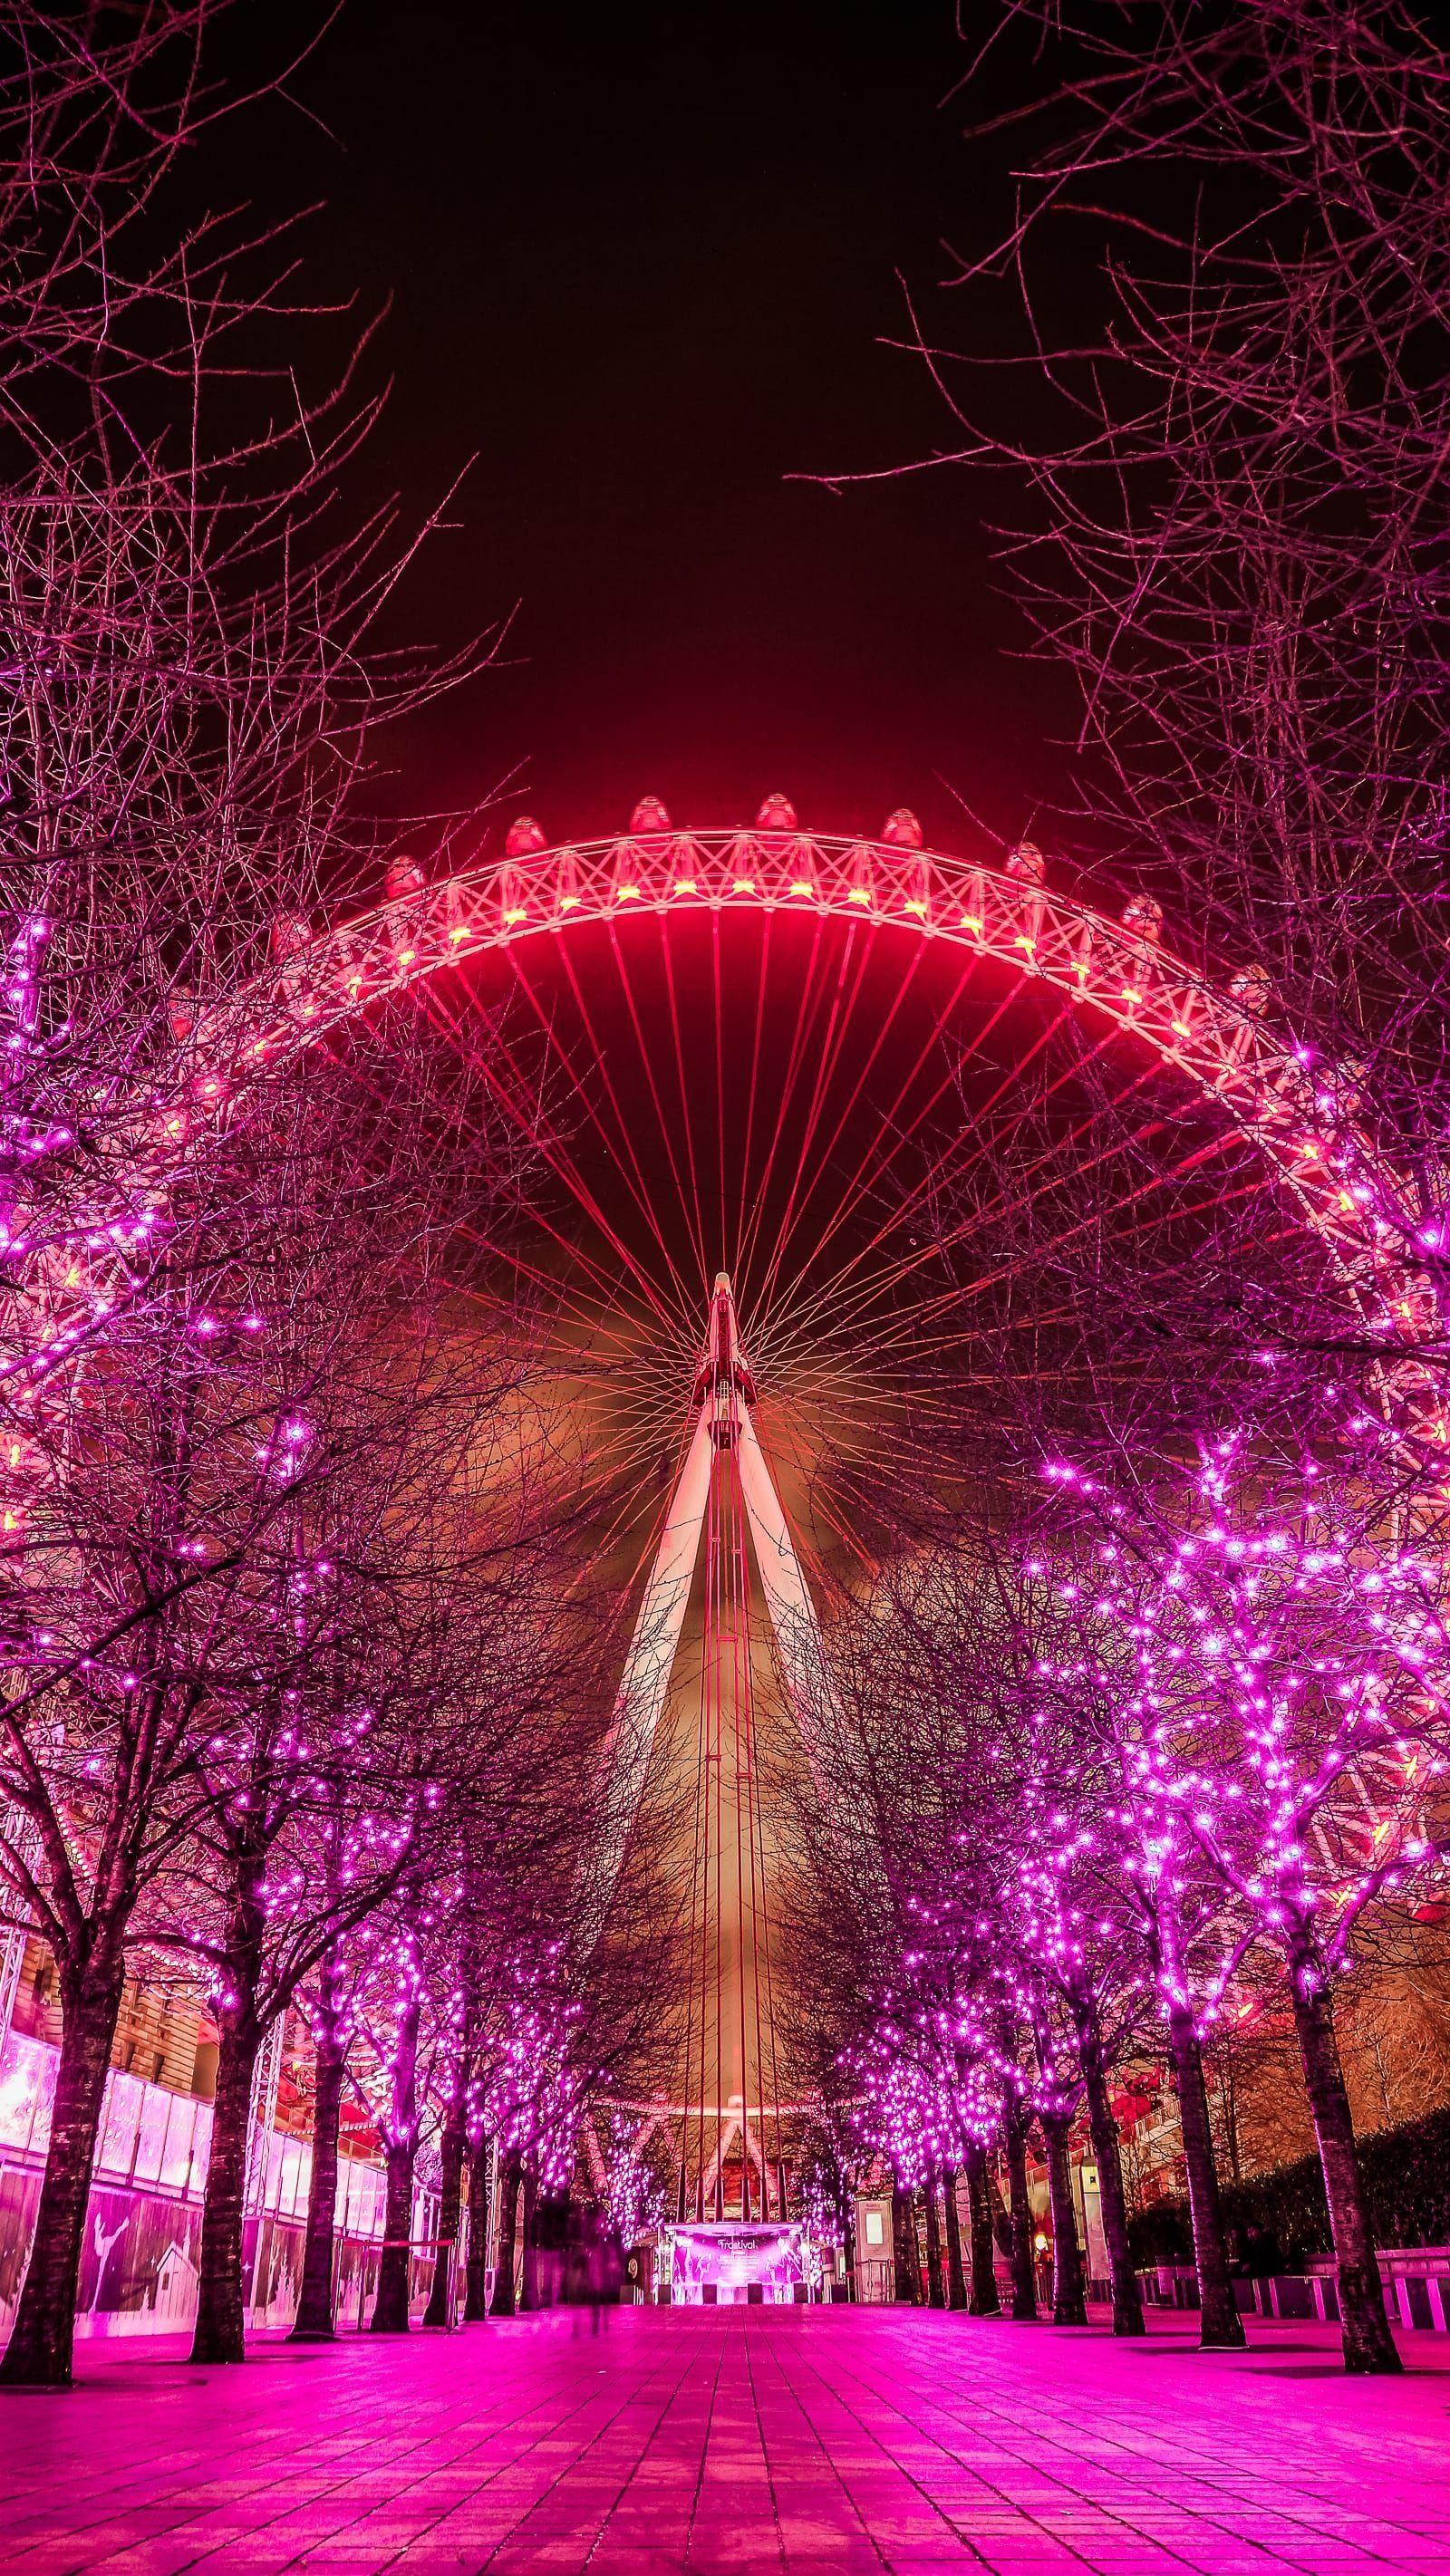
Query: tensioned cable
point(561, 1164)
point(1014, 1076)
point(810, 1000)
point(626, 1511)
point(697, 1931)
point(902, 988)
point(466, 1230)
point(706, 1793)
point(817, 1297)
point(648, 1063)
point(838, 1022)
point(719, 1076)
point(713, 1631)
point(1052, 1157)
point(759, 1839)
point(695, 1199)
point(739, 1683)
point(869, 1174)
point(751, 1088)
point(963, 1293)
point(750, 1824)
point(1117, 1144)
point(629, 1171)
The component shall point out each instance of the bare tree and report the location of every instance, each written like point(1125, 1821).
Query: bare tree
point(1226, 437)
point(1276, 1639)
point(191, 610)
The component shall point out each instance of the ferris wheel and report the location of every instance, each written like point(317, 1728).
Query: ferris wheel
point(836, 1146)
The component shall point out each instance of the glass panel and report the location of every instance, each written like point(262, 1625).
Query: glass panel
point(151, 2142)
point(176, 2154)
point(201, 2118)
point(119, 2123)
point(359, 2197)
point(27, 2089)
point(272, 2170)
point(287, 2178)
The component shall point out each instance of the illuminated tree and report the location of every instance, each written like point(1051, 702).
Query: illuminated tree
point(590, 2010)
point(1122, 1879)
point(997, 1996)
point(129, 1606)
point(1283, 1705)
point(191, 684)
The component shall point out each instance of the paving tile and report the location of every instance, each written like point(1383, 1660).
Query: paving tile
point(869, 2442)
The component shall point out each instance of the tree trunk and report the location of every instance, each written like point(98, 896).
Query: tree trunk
point(315, 2323)
point(1024, 2278)
point(984, 2301)
point(39, 2353)
point(1112, 2200)
point(220, 2309)
point(936, 2296)
point(956, 2278)
point(395, 2261)
point(1368, 2342)
point(1069, 2287)
point(480, 2160)
point(1221, 2328)
point(906, 2282)
point(529, 2277)
point(511, 2174)
point(452, 2149)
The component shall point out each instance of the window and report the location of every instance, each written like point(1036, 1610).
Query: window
point(875, 2232)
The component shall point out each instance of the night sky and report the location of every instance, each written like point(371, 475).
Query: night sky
point(642, 262)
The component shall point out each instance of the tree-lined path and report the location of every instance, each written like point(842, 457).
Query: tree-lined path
point(818, 2439)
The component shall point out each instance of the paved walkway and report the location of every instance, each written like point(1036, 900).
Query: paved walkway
point(821, 2440)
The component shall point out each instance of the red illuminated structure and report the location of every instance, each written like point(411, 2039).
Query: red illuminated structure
point(724, 1500)
point(1223, 1041)
point(724, 1534)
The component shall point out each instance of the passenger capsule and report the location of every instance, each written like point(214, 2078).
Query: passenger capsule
point(1143, 915)
point(291, 933)
point(523, 837)
point(902, 830)
point(650, 815)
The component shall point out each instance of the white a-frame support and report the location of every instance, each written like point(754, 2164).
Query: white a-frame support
point(724, 1392)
